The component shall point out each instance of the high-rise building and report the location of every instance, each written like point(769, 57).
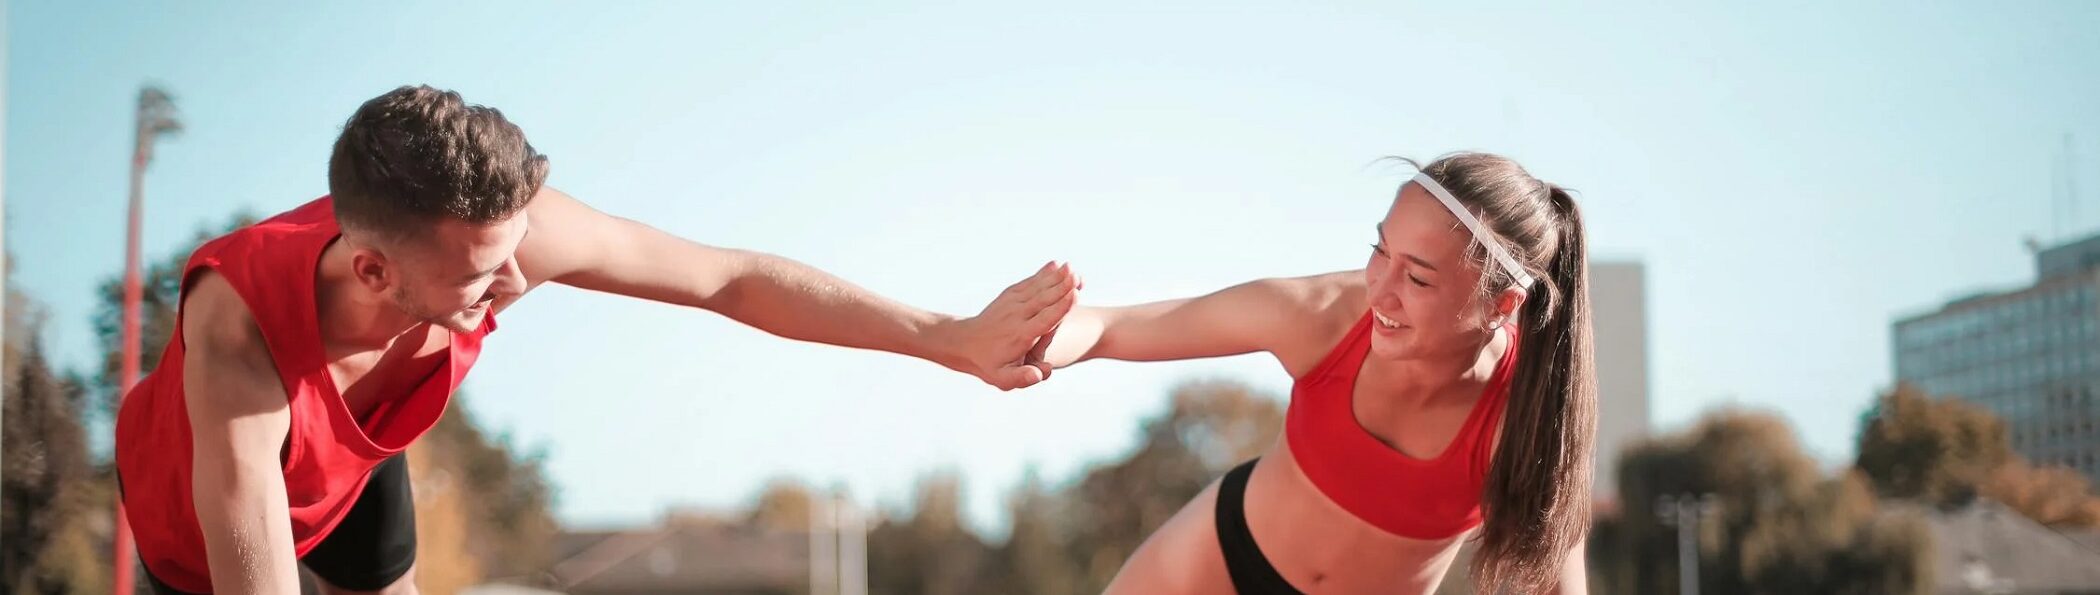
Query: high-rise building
point(2031, 355)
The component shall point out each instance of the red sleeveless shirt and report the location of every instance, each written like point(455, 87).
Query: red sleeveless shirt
point(328, 453)
point(1432, 498)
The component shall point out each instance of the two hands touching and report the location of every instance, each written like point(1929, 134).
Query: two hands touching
point(1005, 344)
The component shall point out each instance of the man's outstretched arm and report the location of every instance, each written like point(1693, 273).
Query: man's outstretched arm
point(573, 244)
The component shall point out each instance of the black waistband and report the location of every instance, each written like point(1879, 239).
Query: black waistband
point(1251, 572)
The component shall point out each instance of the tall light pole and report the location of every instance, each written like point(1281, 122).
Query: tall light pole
point(853, 548)
point(1684, 511)
point(838, 545)
point(823, 546)
point(156, 116)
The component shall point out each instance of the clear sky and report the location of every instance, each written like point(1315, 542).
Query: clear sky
point(1794, 175)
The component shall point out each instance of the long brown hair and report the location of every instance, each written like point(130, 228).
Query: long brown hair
point(1536, 501)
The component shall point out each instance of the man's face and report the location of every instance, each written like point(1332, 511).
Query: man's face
point(452, 276)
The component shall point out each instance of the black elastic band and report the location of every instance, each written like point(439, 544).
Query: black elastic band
point(1251, 572)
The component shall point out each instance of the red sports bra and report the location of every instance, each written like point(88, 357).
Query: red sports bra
point(1417, 498)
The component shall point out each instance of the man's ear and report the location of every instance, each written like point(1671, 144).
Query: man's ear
point(373, 269)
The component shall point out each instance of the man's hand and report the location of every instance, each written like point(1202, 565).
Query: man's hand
point(1003, 345)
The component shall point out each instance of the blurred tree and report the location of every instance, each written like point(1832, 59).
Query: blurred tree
point(1033, 560)
point(929, 552)
point(783, 505)
point(1946, 452)
point(1210, 427)
point(48, 500)
point(510, 525)
point(1073, 540)
point(1779, 525)
point(445, 560)
point(1939, 451)
point(2052, 495)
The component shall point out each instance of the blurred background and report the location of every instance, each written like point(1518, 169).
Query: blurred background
point(1845, 271)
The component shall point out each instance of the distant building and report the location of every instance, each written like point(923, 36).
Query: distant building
point(1619, 314)
point(684, 555)
point(2031, 355)
point(699, 553)
point(1987, 548)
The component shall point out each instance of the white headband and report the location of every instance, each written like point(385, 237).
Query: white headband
point(1480, 232)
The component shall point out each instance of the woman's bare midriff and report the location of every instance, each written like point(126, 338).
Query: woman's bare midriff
point(1312, 542)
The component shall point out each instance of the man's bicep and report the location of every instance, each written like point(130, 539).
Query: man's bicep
point(239, 418)
point(574, 244)
point(566, 237)
point(227, 370)
point(237, 408)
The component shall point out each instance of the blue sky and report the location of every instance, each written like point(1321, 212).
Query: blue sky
point(1794, 175)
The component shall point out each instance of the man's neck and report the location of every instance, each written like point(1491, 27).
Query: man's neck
point(353, 318)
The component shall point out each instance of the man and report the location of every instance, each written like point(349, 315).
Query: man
point(315, 346)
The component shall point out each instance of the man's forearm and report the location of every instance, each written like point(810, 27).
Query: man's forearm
point(587, 249)
point(247, 532)
point(797, 301)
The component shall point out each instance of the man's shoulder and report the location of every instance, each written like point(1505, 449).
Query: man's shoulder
point(252, 233)
point(215, 318)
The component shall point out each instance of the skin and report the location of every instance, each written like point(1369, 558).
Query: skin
point(388, 309)
point(1425, 371)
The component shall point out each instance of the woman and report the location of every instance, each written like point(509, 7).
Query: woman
point(1445, 389)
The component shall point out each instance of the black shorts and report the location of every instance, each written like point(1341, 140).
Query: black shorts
point(1250, 569)
point(373, 546)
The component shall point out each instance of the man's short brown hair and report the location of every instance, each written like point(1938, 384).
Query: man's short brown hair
point(417, 154)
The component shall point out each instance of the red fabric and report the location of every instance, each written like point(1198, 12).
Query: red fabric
point(327, 454)
point(1402, 495)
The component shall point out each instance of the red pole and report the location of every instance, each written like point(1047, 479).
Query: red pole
point(129, 375)
point(156, 116)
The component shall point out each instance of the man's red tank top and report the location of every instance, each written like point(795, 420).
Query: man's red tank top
point(328, 454)
point(1432, 498)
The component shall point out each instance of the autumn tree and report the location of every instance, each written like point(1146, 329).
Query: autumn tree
point(48, 492)
point(927, 550)
point(1777, 525)
point(1939, 451)
point(1946, 452)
